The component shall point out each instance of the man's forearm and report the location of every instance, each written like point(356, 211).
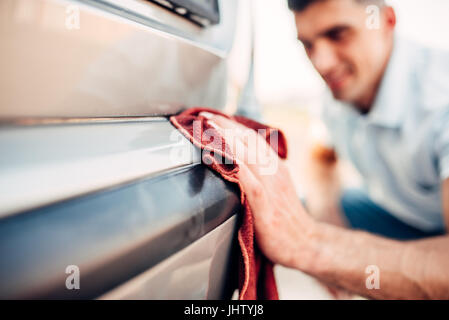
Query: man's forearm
point(407, 270)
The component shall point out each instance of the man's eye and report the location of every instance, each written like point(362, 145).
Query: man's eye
point(337, 34)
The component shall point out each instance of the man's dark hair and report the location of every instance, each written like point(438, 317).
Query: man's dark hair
point(300, 5)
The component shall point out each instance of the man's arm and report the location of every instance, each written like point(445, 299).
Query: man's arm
point(407, 270)
point(289, 236)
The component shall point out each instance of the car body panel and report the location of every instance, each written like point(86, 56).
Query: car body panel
point(206, 263)
point(93, 176)
point(110, 65)
point(114, 235)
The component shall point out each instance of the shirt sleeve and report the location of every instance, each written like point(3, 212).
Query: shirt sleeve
point(442, 146)
point(444, 165)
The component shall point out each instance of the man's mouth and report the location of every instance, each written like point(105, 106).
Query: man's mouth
point(336, 80)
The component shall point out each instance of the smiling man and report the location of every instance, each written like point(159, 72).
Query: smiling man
point(389, 116)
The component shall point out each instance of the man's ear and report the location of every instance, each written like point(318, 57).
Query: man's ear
point(390, 17)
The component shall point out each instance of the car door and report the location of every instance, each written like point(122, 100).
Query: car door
point(100, 196)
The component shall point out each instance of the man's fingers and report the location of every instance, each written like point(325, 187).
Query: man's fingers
point(234, 129)
point(254, 190)
point(247, 145)
point(223, 122)
point(238, 149)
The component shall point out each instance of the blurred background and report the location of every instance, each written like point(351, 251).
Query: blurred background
point(290, 92)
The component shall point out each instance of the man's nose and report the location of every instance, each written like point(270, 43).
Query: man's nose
point(323, 57)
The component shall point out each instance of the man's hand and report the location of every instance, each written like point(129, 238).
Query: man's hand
point(289, 236)
point(282, 225)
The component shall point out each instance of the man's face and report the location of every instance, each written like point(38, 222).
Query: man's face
point(349, 56)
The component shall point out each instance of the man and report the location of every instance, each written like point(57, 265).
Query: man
point(392, 122)
point(376, 125)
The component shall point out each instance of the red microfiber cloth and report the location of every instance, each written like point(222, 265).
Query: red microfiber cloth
point(256, 278)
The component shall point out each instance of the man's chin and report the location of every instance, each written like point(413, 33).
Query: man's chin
point(344, 94)
point(340, 95)
point(344, 91)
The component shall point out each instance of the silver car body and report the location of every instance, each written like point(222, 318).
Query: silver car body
point(92, 173)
